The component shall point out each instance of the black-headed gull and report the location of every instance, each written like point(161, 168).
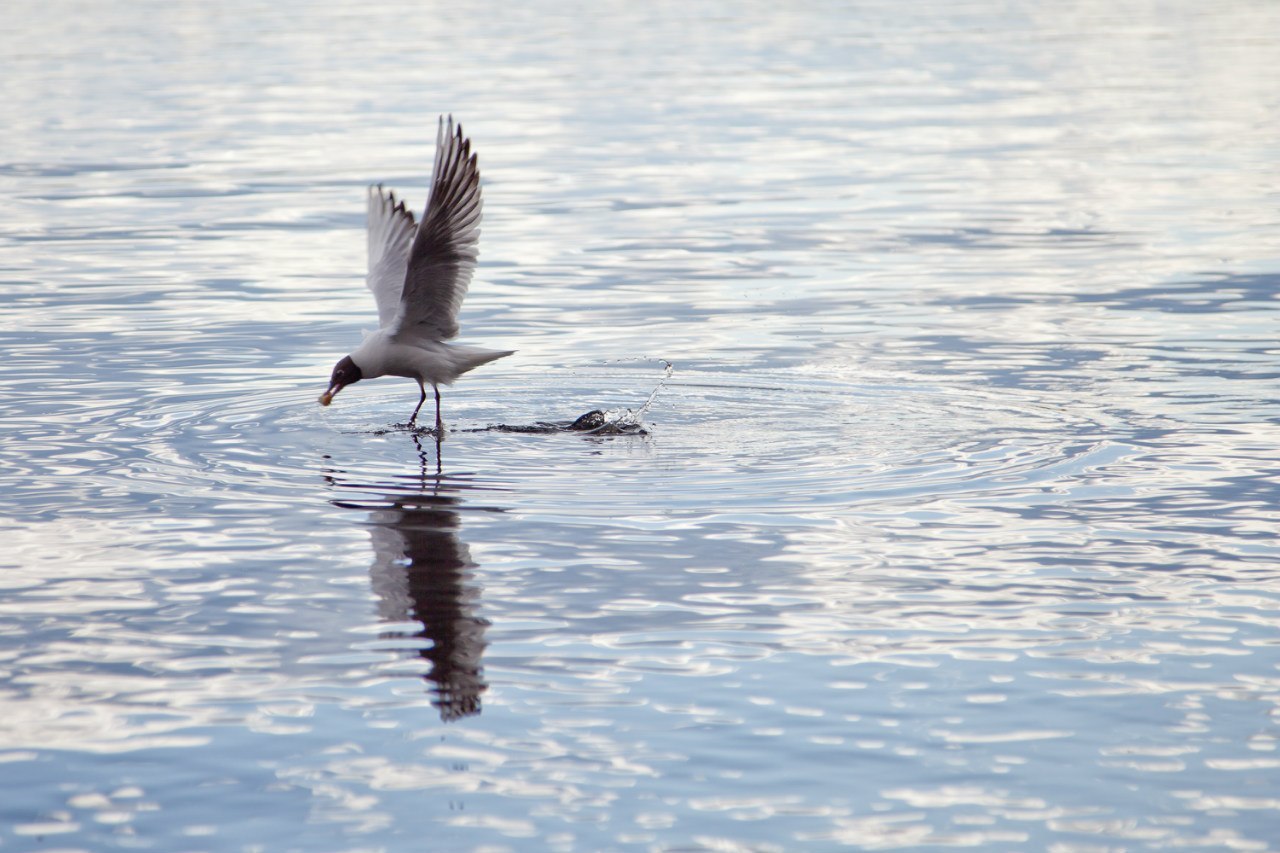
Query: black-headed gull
point(419, 276)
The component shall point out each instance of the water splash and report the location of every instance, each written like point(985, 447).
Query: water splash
point(638, 417)
point(619, 421)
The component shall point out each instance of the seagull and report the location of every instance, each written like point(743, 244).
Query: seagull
point(419, 275)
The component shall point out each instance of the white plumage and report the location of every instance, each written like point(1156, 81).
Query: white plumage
point(418, 274)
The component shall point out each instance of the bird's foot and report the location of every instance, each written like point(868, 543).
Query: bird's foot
point(413, 426)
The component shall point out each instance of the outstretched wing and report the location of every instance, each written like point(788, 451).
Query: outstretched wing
point(391, 230)
point(445, 249)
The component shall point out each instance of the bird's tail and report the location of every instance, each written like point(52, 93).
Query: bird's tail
point(469, 358)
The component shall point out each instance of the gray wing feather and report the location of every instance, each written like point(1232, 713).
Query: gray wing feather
point(391, 230)
point(444, 252)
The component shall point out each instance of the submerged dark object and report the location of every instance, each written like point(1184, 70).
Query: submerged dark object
point(597, 422)
point(594, 422)
point(593, 419)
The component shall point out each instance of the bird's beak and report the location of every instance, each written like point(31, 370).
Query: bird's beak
point(327, 397)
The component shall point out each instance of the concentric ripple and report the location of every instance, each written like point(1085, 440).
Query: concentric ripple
point(953, 525)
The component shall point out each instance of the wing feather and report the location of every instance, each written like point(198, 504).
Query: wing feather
point(446, 246)
point(391, 230)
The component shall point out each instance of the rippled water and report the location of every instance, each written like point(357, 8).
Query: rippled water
point(954, 524)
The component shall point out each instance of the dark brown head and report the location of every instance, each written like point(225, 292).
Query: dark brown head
point(345, 373)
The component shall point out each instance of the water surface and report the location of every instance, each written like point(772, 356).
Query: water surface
point(953, 524)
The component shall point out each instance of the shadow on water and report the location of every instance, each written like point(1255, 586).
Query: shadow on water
point(594, 422)
point(422, 572)
point(602, 422)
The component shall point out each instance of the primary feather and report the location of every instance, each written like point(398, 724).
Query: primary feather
point(446, 245)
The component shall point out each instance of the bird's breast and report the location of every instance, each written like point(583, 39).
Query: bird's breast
point(379, 355)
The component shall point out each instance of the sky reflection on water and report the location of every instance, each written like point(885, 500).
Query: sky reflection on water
point(954, 524)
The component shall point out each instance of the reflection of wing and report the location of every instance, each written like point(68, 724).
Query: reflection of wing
point(420, 573)
point(389, 574)
point(391, 230)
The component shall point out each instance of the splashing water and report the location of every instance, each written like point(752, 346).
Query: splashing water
point(623, 421)
point(616, 421)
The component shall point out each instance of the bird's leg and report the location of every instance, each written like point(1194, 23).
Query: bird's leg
point(421, 400)
point(439, 421)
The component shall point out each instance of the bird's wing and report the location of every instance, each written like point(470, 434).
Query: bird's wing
point(391, 230)
point(445, 249)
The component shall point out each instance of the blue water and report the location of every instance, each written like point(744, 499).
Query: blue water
point(953, 524)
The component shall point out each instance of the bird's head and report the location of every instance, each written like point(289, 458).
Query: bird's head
point(345, 372)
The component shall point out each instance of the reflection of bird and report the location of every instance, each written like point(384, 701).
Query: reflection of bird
point(420, 573)
point(419, 276)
